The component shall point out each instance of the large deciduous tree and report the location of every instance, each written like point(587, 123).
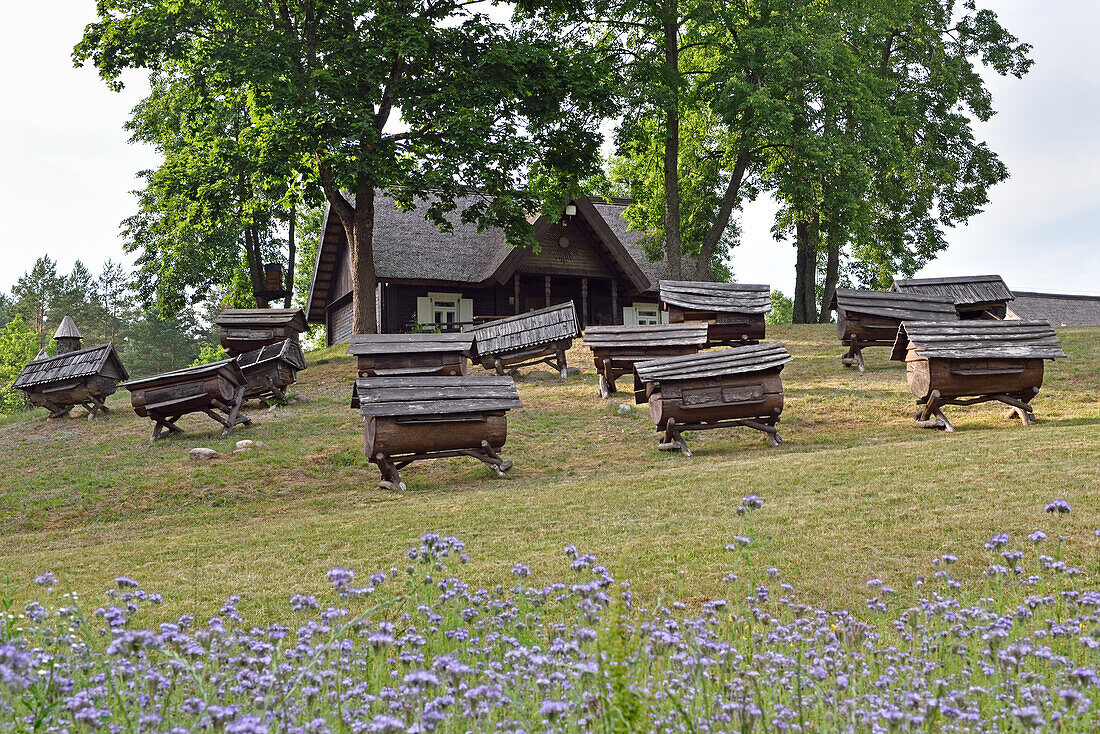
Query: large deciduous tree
point(422, 98)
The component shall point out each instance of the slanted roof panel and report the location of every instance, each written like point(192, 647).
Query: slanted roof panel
point(428, 396)
point(978, 340)
point(616, 337)
point(724, 297)
point(900, 306)
point(67, 329)
point(293, 318)
point(288, 349)
point(962, 290)
point(227, 368)
point(73, 365)
point(715, 363)
point(363, 344)
point(542, 326)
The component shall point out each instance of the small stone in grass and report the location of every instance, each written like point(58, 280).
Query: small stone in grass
point(625, 409)
point(202, 454)
point(246, 444)
point(572, 372)
point(541, 376)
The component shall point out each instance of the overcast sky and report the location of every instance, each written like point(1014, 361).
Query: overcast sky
point(68, 169)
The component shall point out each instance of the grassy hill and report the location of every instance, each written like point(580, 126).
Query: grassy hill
point(855, 491)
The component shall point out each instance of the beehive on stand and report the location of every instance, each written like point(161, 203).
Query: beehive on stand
point(615, 349)
point(970, 362)
point(867, 318)
point(734, 312)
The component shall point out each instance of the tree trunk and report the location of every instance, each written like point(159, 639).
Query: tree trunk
point(722, 219)
point(288, 299)
point(805, 284)
point(673, 241)
point(833, 243)
point(364, 283)
point(255, 266)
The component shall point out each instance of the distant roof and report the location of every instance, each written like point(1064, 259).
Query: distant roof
point(68, 330)
point(715, 363)
point(428, 396)
point(542, 326)
point(963, 290)
point(725, 297)
point(294, 318)
point(81, 363)
point(978, 339)
point(1057, 308)
point(900, 306)
point(407, 246)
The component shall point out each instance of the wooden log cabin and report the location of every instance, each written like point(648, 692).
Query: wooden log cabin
point(535, 337)
point(269, 371)
point(248, 329)
point(215, 389)
point(76, 376)
point(734, 312)
point(616, 349)
point(429, 279)
point(723, 388)
point(866, 318)
point(974, 296)
point(409, 419)
point(970, 362)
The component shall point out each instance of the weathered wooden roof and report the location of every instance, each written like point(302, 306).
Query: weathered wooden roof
point(616, 337)
point(963, 290)
point(288, 350)
point(293, 318)
point(978, 340)
point(73, 365)
point(1057, 308)
point(724, 297)
point(410, 343)
point(227, 368)
point(715, 363)
point(900, 306)
point(525, 330)
point(428, 396)
point(67, 329)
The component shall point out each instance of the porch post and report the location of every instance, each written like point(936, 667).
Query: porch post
point(615, 301)
point(515, 297)
point(584, 302)
point(547, 291)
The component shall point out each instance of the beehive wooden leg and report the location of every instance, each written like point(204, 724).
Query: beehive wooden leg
point(674, 440)
point(499, 366)
point(165, 424)
point(391, 477)
point(562, 367)
point(932, 417)
point(501, 465)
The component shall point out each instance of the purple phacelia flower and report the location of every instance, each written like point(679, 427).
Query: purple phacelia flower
point(48, 578)
point(124, 582)
point(521, 570)
point(1037, 537)
point(340, 576)
point(753, 502)
point(998, 540)
point(1059, 506)
point(553, 709)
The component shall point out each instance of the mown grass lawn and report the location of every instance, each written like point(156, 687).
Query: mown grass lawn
point(855, 491)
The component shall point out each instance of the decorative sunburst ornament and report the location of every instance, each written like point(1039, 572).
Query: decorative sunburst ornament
point(565, 251)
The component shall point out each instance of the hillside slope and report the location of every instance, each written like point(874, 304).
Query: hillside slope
point(856, 490)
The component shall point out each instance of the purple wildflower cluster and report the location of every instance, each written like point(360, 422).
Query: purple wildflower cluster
point(433, 654)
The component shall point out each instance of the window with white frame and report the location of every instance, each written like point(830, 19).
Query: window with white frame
point(446, 310)
point(644, 314)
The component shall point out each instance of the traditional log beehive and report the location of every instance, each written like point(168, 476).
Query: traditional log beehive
point(412, 418)
point(974, 296)
point(871, 318)
point(423, 355)
point(971, 362)
point(216, 389)
point(247, 329)
point(535, 337)
point(724, 388)
point(270, 370)
point(83, 377)
point(615, 349)
point(733, 312)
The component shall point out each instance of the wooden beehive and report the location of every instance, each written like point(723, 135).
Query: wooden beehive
point(971, 362)
point(83, 377)
point(867, 318)
point(216, 389)
point(535, 337)
point(413, 418)
point(270, 370)
point(247, 329)
point(615, 349)
point(724, 388)
point(734, 312)
point(974, 296)
point(424, 355)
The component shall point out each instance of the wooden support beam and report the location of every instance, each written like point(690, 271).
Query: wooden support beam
point(584, 302)
point(615, 302)
point(515, 296)
point(547, 281)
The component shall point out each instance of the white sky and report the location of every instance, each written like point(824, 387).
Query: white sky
point(68, 169)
